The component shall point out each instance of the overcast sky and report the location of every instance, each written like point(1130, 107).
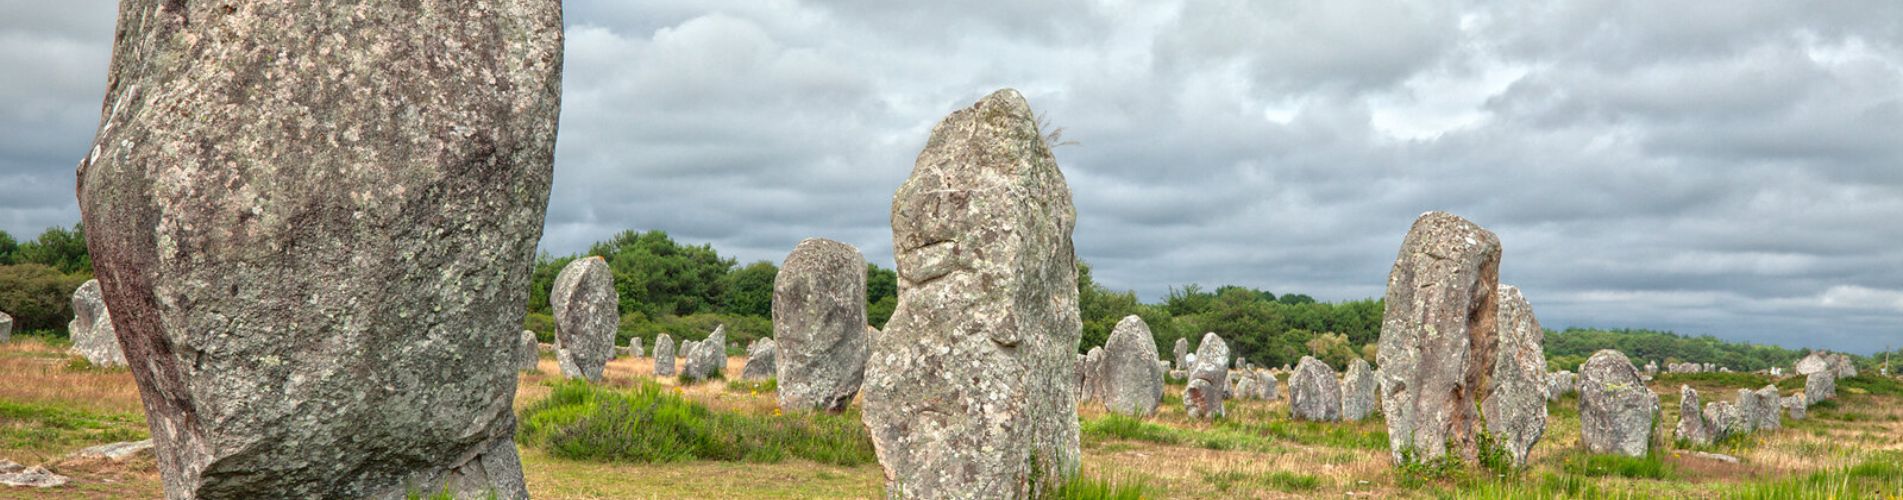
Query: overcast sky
point(1732, 168)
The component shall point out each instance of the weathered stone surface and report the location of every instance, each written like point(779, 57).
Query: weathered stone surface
point(1208, 364)
point(708, 357)
point(6, 326)
point(1080, 367)
point(1515, 404)
point(1093, 374)
point(1819, 387)
point(1692, 426)
point(1245, 388)
point(968, 392)
point(91, 329)
point(1133, 381)
point(20, 476)
point(663, 355)
point(314, 223)
point(1723, 420)
point(1768, 415)
point(1817, 361)
point(1796, 406)
point(1313, 392)
point(635, 349)
point(114, 451)
point(1560, 383)
point(1182, 350)
point(1843, 366)
point(819, 320)
point(1357, 391)
point(1438, 337)
point(1269, 386)
point(1616, 410)
point(527, 352)
point(761, 362)
point(587, 312)
point(1749, 409)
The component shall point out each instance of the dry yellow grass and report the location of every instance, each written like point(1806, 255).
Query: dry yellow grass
point(1309, 466)
point(31, 371)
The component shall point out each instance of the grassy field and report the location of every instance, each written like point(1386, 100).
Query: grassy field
point(737, 445)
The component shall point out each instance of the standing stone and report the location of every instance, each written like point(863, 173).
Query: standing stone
point(1616, 410)
point(1269, 383)
point(1843, 366)
point(819, 320)
point(1093, 374)
point(1204, 400)
point(708, 358)
point(969, 388)
point(91, 329)
point(1182, 349)
point(1692, 426)
point(1749, 408)
point(761, 364)
point(1357, 391)
point(1796, 405)
point(1723, 420)
point(663, 356)
point(1313, 392)
point(6, 326)
point(1768, 414)
point(1820, 386)
point(1245, 388)
point(1133, 381)
point(634, 348)
point(527, 352)
point(1082, 371)
point(1818, 361)
point(587, 312)
point(1438, 337)
point(315, 224)
point(1515, 404)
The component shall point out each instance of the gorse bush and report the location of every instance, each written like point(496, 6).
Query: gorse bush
point(652, 424)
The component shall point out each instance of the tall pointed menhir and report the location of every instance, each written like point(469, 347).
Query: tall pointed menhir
point(968, 391)
point(314, 224)
point(1438, 337)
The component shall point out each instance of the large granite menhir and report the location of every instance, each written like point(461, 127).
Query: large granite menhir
point(1438, 337)
point(1313, 392)
point(968, 390)
point(314, 223)
point(1616, 410)
point(1132, 379)
point(1208, 379)
point(587, 312)
point(819, 321)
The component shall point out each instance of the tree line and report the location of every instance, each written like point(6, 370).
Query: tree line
point(686, 290)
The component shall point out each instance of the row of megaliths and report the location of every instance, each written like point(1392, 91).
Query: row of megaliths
point(315, 238)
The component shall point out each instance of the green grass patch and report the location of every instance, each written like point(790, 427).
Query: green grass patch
point(1084, 487)
point(1880, 476)
point(53, 429)
point(648, 424)
point(1650, 466)
point(754, 387)
point(1415, 471)
point(1546, 486)
point(1284, 481)
point(1871, 385)
point(1223, 436)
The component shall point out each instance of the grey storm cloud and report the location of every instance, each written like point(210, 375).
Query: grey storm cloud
point(1729, 168)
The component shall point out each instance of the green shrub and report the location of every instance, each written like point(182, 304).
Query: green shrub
point(38, 297)
point(650, 424)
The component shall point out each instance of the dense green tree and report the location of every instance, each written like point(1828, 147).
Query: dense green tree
point(882, 294)
point(749, 290)
point(656, 276)
point(58, 248)
point(7, 248)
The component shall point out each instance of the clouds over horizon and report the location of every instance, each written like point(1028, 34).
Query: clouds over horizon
point(1731, 170)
